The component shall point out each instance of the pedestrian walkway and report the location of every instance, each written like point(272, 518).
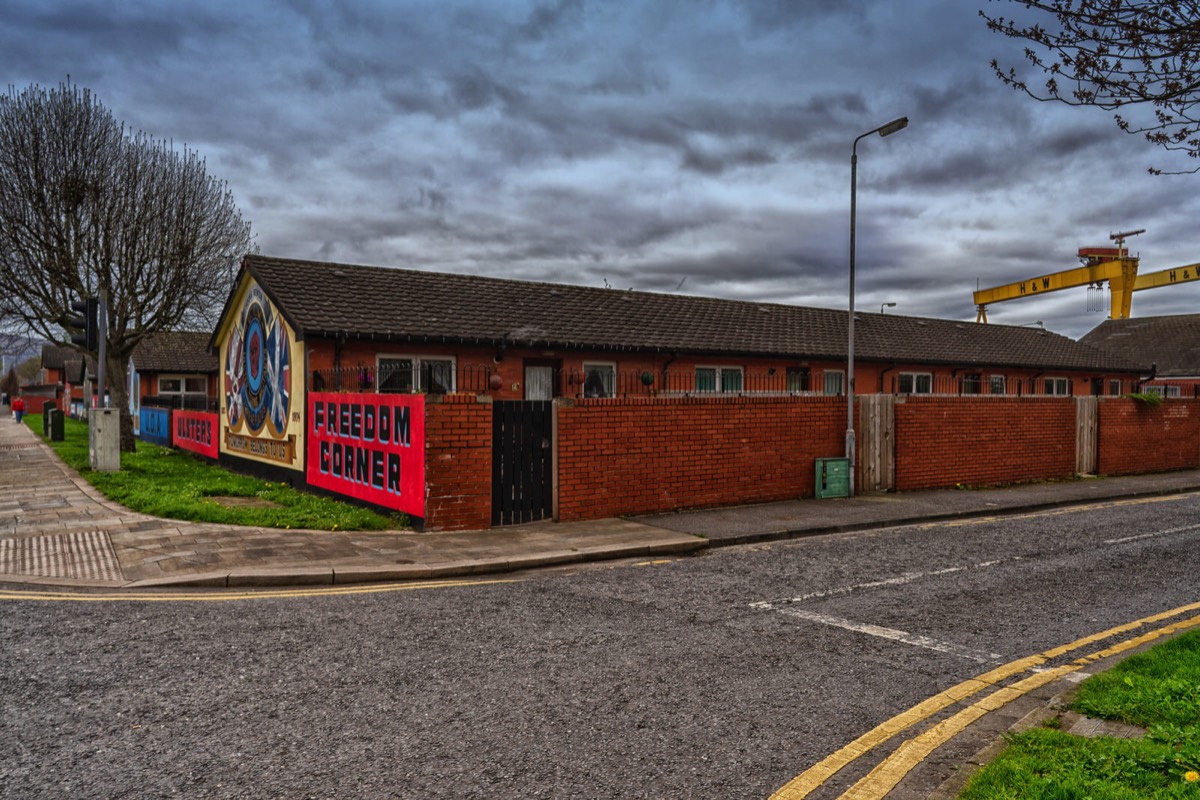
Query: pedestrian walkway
point(55, 529)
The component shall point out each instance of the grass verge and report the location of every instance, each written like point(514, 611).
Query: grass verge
point(1158, 690)
point(166, 482)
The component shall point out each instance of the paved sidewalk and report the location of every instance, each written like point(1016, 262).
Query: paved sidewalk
point(55, 529)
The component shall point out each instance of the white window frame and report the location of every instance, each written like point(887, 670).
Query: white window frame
point(162, 390)
point(915, 382)
point(1114, 387)
point(1053, 384)
point(609, 386)
point(719, 371)
point(841, 376)
point(1171, 390)
point(1000, 381)
point(415, 378)
point(182, 391)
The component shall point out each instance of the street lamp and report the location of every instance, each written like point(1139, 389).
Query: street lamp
point(884, 130)
point(882, 306)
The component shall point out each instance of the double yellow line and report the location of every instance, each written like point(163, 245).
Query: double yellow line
point(218, 596)
point(888, 773)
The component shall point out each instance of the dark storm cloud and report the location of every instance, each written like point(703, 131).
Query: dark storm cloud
point(545, 18)
point(642, 143)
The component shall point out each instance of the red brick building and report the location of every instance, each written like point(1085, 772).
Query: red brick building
point(468, 401)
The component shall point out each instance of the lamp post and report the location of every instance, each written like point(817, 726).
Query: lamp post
point(882, 306)
point(883, 130)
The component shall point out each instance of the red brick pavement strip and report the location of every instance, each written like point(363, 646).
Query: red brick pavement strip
point(41, 497)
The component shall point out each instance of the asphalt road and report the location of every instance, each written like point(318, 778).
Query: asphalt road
point(718, 676)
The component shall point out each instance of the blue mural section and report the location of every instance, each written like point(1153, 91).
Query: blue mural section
point(155, 425)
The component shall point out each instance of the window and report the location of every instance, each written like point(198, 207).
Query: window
point(193, 388)
point(718, 379)
point(835, 381)
point(916, 383)
point(1171, 391)
point(997, 384)
point(178, 384)
point(972, 383)
point(1114, 387)
point(1059, 387)
point(599, 380)
point(401, 374)
point(798, 379)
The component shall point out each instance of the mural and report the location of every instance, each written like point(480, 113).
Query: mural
point(258, 372)
point(257, 357)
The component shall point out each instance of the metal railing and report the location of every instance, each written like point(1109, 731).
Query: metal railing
point(441, 378)
point(181, 402)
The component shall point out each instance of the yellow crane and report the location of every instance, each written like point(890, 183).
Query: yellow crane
point(1111, 265)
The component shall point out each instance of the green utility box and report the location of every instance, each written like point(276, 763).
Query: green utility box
point(833, 477)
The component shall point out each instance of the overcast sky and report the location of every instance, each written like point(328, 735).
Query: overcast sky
point(691, 146)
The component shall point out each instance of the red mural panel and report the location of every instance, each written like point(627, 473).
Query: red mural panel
point(196, 431)
point(370, 447)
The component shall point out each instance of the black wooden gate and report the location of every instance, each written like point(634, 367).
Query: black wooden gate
point(522, 468)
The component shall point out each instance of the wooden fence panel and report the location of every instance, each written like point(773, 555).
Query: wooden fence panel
point(877, 443)
point(1087, 426)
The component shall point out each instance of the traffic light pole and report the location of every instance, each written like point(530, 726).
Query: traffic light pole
point(102, 351)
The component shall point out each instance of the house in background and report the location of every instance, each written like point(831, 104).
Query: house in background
point(1170, 344)
point(172, 369)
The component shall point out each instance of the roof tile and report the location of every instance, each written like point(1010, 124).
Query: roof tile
point(412, 305)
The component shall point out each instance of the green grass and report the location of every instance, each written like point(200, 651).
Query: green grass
point(1158, 690)
point(165, 482)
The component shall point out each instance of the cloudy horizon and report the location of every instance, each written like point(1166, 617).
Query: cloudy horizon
point(700, 148)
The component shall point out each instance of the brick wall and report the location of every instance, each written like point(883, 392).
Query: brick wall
point(1137, 438)
point(641, 455)
point(945, 441)
point(644, 455)
point(458, 462)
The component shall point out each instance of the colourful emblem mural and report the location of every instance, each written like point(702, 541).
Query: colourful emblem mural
point(258, 371)
point(257, 354)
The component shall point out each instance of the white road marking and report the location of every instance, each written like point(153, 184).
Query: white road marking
point(904, 637)
point(789, 605)
point(899, 580)
point(1154, 535)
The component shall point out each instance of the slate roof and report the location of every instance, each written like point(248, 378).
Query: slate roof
point(69, 360)
point(55, 356)
point(1173, 343)
point(175, 351)
point(326, 299)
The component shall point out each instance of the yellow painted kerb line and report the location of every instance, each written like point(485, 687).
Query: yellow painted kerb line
point(892, 770)
point(166, 597)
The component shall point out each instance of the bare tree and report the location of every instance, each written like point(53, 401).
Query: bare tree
point(87, 207)
point(10, 384)
point(1114, 54)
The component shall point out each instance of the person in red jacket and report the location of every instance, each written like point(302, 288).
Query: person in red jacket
point(18, 407)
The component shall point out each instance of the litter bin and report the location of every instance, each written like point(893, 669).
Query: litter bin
point(47, 407)
point(833, 477)
point(56, 425)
